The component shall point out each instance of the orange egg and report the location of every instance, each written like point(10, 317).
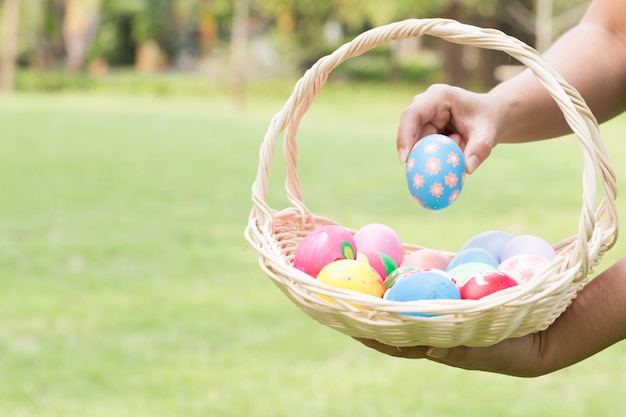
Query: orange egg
point(427, 258)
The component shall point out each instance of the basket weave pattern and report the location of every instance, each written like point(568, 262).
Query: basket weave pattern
point(517, 311)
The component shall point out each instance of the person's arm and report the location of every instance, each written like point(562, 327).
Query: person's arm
point(591, 57)
point(595, 320)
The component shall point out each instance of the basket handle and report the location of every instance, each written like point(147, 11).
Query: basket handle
point(577, 114)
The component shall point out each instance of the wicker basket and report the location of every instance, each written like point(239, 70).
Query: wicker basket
point(509, 313)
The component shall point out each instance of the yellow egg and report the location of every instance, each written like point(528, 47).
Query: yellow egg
point(352, 275)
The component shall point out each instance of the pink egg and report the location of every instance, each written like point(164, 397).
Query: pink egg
point(382, 263)
point(376, 237)
point(528, 244)
point(427, 258)
point(323, 246)
point(522, 267)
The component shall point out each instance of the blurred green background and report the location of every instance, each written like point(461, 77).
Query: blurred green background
point(232, 41)
point(126, 285)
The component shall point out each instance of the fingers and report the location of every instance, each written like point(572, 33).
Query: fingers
point(452, 111)
point(410, 130)
point(443, 355)
point(472, 159)
point(425, 116)
point(417, 352)
point(477, 149)
point(405, 148)
point(499, 358)
point(514, 357)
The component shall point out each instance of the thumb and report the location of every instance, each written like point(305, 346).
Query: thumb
point(459, 357)
point(471, 163)
point(476, 151)
point(516, 357)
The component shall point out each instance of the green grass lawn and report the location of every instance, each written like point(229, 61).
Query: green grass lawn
point(127, 288)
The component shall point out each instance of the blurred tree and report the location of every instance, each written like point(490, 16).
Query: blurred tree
point(181, 32)
point(80, 23)
point(462, 65)
point(543, 24)
point(453, 53)
point(544, 19)
point(8, 57)
point(301, 23)
point(355, 16)
point(152, 33)
point(44, 35)
point(207, 27)
point(238, 47)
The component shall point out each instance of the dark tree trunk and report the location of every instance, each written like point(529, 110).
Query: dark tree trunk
point(453, 53)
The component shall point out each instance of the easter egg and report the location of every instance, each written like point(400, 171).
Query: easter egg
point(528, 244)
point(377, 237)
point(463, 272)
point(323, 246)
point(522, 267)
point(427, 258)
point(352, 275)
point(483, 284)
point(381, 263)
point(423, 285)
point(478, 255)
point(405, 271)
point(400, 273)
point(492, 241)
point(435, 171)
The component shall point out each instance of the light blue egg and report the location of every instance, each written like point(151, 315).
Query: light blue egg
point(493, 241)
point(424, 285)
point(473, 255)
point(435, 171)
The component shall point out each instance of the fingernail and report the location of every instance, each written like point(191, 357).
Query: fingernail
point(437, 353)
point(402, 154)
point(472, 163)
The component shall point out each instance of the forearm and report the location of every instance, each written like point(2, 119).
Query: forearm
point(595, 321)
point(591, 57)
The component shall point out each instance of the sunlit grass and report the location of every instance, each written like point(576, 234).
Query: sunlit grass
point(128, 289)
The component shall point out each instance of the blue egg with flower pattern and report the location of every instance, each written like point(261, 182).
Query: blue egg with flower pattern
point(435, 171)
